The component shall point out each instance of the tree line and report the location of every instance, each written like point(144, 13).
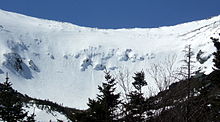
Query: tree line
point(193, 98)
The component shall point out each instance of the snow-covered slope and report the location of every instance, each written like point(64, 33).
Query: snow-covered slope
point(45, 116)
point(64, 62)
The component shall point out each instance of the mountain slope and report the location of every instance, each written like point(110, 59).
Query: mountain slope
point(64, 62)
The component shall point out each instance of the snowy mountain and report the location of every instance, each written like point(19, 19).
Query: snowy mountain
point(65, 62)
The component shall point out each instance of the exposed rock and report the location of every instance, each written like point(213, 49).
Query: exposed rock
point(99, 67)
point(201, 57)
point(1, 72)
point(33, 66)
point(16, 46)
point(85, 63)
point(15, 64)
point(125, 55)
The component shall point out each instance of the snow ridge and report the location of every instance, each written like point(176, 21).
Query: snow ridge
point(64, 62)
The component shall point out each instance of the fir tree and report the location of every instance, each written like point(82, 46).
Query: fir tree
point(10, 105)
point(216, 54)
point(31, 118)
point(104, 109)
point(135, 107)
point(139, 81)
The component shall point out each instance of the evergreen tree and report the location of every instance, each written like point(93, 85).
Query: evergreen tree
point(31, 118)
point(216, 54)
point(134, 109)
point(10, 105)
point(139, 81)
point(104, 109)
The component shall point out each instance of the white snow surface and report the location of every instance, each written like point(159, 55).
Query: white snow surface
point(44, 115)
point(64, 62)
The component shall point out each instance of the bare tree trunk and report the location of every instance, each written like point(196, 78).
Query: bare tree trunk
point(188, 54)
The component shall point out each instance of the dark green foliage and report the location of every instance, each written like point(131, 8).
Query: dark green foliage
point(212, 95)
point(195, 99)
point(31, 118)
point(204, 104)
point(10, 104)
point(104, 109)
point(139, 81)
point(22, 100)
point(216, 54)
point(50, 106)
point(134, 108)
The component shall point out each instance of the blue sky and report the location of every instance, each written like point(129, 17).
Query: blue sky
point(116, 13)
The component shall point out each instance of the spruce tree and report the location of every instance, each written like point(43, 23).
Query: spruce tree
point(104, 109)
point(139, 81)
point(216, 54)
point(31, 118)
point(10, 105)
point(134, 109)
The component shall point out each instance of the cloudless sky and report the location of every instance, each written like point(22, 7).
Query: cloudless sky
point(116, 13)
